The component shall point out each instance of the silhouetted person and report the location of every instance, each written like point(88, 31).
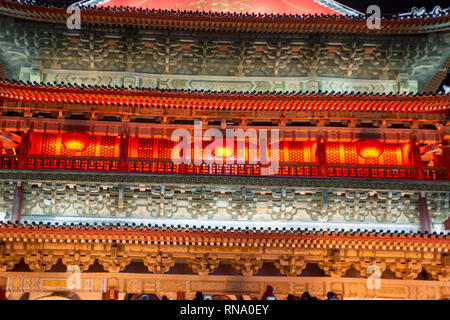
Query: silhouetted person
point(290, 297)
point(332, 296)
point(165, 298)
point(268, 293)
point(306, 296)
point(198, 296)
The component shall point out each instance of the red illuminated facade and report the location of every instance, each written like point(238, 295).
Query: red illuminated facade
point(307, 155)
point(90, 173)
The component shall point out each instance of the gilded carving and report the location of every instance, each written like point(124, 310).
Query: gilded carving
point(406, 268)
point(114, 260)
point(247, 265)
point(40, 261)
point(158, 262)
point(82, 259)
point(291, 266)
point(203, 264)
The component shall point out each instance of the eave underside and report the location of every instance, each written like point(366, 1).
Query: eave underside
point(325, 61)
point(290, 252)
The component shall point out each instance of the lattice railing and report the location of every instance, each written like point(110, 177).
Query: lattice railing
point(168, 167)
point(8, 162)
point(164, 166)
point(371, 172)
point(435, 173)
point(62, 163)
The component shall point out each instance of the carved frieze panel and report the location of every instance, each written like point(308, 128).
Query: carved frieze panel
point(219, 203)
point(6, 198)
point(242, 204)
point(50, 199)
point(51, 283)
point(225, 286)
point(438, 206)
point(202, 203)
point(150, 52)
point(171, 284)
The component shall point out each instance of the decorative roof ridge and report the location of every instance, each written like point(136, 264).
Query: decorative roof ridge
point(88, 89)
point(414, 14)
point(230, 22)
point(142, 230)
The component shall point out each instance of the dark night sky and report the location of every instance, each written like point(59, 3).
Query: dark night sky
point(398, 6)
point(395, 6)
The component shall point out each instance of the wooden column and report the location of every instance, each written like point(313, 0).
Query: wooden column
point(417, 159)
point(322, 155)
point(124, 145)
point(2, 288)
point(17, 204)
point(446, 156)
point(425, 222)
point(112, 294)
point(23, 150)
point(181, 295)
point(447, 224)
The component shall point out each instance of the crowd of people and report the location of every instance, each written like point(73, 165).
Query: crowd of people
point(305, 296)
point(269, 295)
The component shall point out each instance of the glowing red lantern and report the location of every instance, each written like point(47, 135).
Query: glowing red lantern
point(369, 149)
point(75, 141)
point(224, 151)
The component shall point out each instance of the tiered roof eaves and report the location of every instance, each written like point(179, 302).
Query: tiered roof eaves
point(133, 230)
point(212, 100)
point(229, 22)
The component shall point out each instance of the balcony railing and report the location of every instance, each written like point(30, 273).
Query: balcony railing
point(435, 173)
point(371, 172)
point(8, 162)
point(62, 163)
point(168, 167)
point(165, 166)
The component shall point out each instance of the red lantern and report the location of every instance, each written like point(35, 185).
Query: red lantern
point(75, 141)
point(224, 151)
point(370, 149)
